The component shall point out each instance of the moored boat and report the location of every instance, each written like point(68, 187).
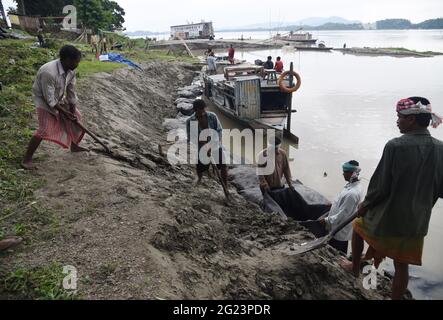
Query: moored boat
point(298, 37)
point(259, 98)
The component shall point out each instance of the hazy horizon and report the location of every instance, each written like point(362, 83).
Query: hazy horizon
point(158, 16)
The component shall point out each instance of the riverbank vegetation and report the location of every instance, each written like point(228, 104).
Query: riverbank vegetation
point(21, 214)
point(395, 52)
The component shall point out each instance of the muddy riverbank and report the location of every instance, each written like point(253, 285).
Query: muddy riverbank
point(391, 52)
point(137, 228)
point(215, 44)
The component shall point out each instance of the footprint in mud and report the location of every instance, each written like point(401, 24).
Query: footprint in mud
point(71, 175)
point(122, 191)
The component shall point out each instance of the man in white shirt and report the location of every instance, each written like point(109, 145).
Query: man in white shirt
point(212, 63)
point(53, 89)
point(344, 206)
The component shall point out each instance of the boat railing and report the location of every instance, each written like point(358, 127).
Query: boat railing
point(232, 72)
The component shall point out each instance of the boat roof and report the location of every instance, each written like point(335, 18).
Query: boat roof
point(218, 78)
point(191, 24)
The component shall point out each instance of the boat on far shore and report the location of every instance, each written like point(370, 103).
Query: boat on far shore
point(297, 37)
point(320, 47)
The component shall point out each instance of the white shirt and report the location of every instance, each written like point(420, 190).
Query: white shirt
point(212, 65)
point(344, 206)
point(51, 84)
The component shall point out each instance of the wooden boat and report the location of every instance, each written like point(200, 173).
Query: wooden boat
point(298, 37)
point(243, 94)
point(312, 48)
point(321, 47)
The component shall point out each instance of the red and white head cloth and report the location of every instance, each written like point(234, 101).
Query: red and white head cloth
point(408, 107)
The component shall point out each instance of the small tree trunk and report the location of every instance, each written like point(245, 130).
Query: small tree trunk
point(2, 12)
point(22, 4)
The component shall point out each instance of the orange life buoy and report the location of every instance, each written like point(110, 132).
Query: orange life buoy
point(281, 83)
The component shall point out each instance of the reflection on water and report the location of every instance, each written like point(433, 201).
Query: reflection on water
point(346, 110)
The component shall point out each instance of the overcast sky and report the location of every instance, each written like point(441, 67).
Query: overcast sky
point(160, 15)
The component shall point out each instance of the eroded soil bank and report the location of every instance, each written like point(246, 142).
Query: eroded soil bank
point(137, 228)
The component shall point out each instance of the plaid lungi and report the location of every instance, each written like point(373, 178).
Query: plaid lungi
point(400, 249)
point(58, 129)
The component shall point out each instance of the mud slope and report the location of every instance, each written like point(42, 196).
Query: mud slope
point(138, 229)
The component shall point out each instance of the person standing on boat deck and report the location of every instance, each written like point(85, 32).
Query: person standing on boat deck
point(273, 181)
point(231, 54)
point(207, 120)
point(269, 65)
point(53, 81)
point(279, 65)
point(395, 215)
point(212, 63)
point(344, 206)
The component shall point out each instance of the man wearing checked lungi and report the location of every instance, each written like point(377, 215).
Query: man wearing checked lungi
point(395, 216)
point(54, 88)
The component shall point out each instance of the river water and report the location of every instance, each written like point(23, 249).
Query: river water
point(346, 111)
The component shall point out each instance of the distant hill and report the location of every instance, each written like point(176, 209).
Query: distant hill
point(403, 24)
point(312, 22)
point(394, 24)
point(316, 22)
point(334, 23)
point(144, 33)
point(336, 26)
point(431, 24)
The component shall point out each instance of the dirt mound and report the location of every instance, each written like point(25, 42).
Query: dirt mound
point(136, 228)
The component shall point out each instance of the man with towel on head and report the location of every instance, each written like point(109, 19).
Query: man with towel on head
point(394, 218)
point(344, 206)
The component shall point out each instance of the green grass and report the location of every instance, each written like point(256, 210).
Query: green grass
point(20, 213)
point(164, 56)
point(404, 50)
point(43, 283)
point(19, 64)
point(86, 68)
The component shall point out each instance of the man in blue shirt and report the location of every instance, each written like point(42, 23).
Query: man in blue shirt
point(207, 120)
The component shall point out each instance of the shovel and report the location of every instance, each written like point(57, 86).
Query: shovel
point(225, 188)
point(71, 117)
point(321, 242)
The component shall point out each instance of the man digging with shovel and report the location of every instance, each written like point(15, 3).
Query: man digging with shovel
point(54, 93)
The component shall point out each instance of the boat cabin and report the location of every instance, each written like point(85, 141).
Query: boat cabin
point(252, 95)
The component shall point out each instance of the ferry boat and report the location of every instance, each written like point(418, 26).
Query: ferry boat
point(256, 97)
point(299, 37)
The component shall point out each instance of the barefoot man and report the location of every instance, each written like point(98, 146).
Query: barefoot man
point(394, 218)
point(204, 120)
point(54, 88)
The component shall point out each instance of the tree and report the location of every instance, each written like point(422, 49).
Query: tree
point(43, 8)
point(394, 24)
point(116, 14)
point(431, 24)
point(95, 14)
point(100, 14)
point(2, 11)
point(90, 13)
